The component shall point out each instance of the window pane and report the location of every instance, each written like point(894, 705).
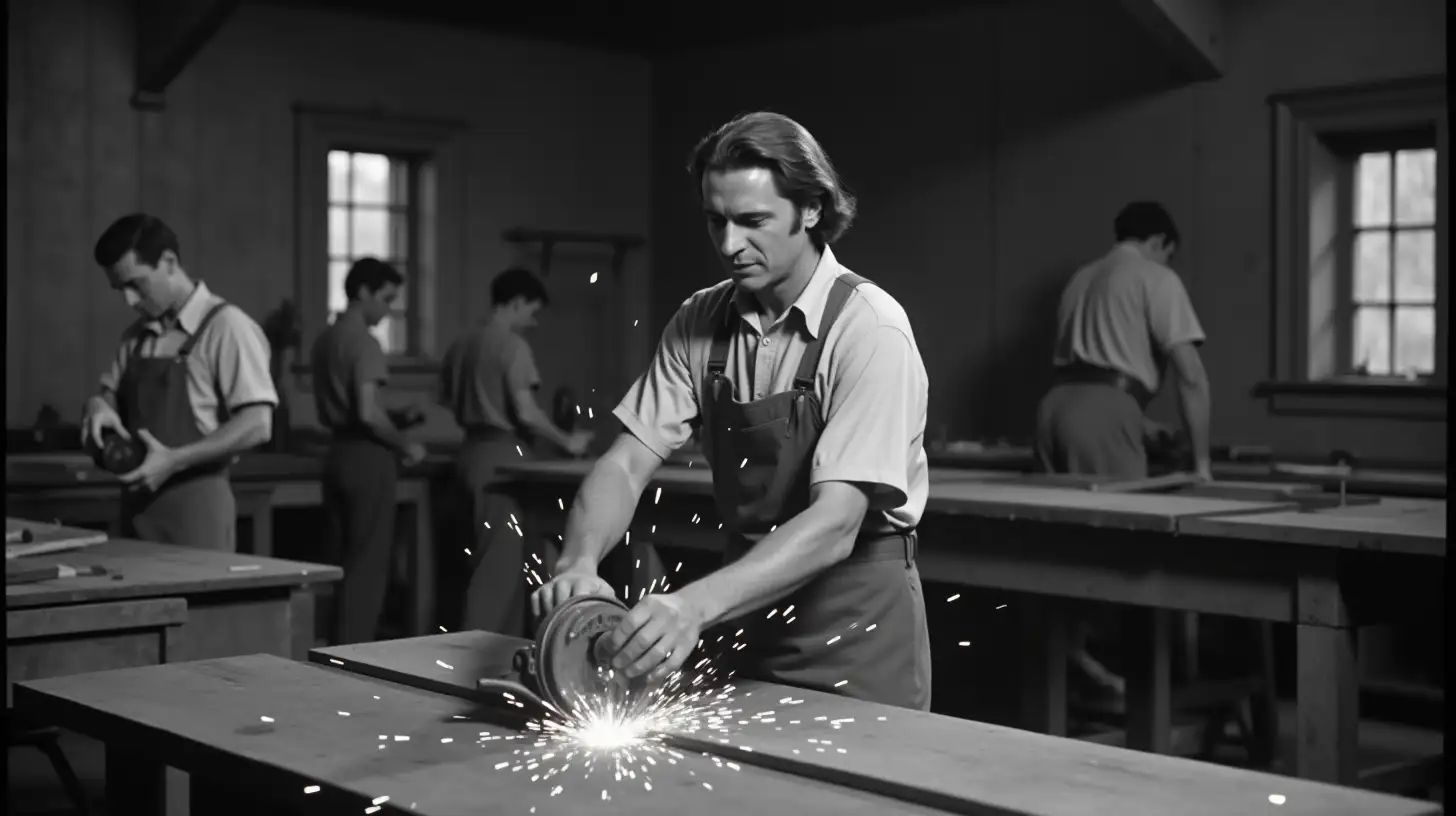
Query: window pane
point(1372, 190)
point(1372, 340)
point(338, 231)
point(1415, 340)
point(401, 301)
point(371, 234)
point(1415, 266)
point(371, 178)
point(338, 175)
point(1372, 267)
point(338, 301)
point(1415, 187)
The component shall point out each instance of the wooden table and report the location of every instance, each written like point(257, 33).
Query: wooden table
point(70, 488)
point(157, 604)
point(266, 733)
point(1133, 550)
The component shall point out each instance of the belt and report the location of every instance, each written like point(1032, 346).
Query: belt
point(886, 547)
point(1080, 372)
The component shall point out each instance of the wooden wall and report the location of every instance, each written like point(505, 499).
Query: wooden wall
point(991, 151)
point(558, 140)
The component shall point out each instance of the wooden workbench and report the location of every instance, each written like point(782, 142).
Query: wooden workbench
point(266, 734)
point(70, 488)
point(1132, 550)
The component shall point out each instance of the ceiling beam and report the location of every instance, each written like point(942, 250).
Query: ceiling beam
point(169, 35)
point(1189, 31)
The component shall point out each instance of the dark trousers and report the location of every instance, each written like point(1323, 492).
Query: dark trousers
point(496, 596)
point(1090, 428)
point(359, 509)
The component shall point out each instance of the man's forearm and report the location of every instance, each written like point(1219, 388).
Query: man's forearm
point(104, 397)
point(599, 517)
point(782, 562)
point(541, 424)
point(382, 429)
point(247, 429)
point(1193, 399)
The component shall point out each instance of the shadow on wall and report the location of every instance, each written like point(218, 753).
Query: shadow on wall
point(1019, 371)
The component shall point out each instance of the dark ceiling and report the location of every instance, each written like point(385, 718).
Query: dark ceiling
point(647, 27)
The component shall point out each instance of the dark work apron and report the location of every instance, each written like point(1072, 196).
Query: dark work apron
point(760, 453)
point(194, 508)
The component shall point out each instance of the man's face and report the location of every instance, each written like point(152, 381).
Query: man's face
point(379, 303)
point(759, 234)
point(523, 314)
point(144, 286)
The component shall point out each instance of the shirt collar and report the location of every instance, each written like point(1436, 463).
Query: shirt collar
point(190, 314)
point(810, 303)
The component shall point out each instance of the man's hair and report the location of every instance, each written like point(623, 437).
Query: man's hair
point(1142, 220)
point(518, 282)
point(801, 169)
point(146, 234)
point(370, 275)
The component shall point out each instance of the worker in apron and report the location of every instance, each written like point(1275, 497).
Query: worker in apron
point(1120, 320)
point(190, 381)
point(804, 385)
point(489, 381)
point(361, 469)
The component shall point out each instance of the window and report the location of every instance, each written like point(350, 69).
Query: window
point(1392, 253)
point(372, 207)
point(1359, 270)
point(391, 187)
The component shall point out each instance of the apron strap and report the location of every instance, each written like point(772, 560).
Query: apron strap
point(838, 296)
point(191, 341)
point(722, 336)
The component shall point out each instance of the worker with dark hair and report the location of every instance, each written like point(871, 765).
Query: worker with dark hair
point(361, 470)
point(190, 380)
point(488, 380)
point(805, 385)
point(1121, 320)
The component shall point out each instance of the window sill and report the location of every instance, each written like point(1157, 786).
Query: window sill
point(1374, 398)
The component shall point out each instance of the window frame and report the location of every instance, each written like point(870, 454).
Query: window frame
point(417, 166)
point(1302, 122)
point(437, 209)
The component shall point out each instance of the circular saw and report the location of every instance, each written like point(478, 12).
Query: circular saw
point(567, 668)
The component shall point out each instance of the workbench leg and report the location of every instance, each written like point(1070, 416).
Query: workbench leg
point(1327, 703)
point(422, 566)
point(1043, 624)
point(1149, 679)
point(301, 625)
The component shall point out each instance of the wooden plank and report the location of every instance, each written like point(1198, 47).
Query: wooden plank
point(991, 499)
point(963, 766)
point(207, 719)
point(147, 569)
point(23, 538)
point(1413, 526)
point(1129, 512)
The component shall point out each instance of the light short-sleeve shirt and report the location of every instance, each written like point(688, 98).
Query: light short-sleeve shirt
point(480, 372)
point(345, 355)
point(228, 369)
point(1125, 312)
point(871, 384)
